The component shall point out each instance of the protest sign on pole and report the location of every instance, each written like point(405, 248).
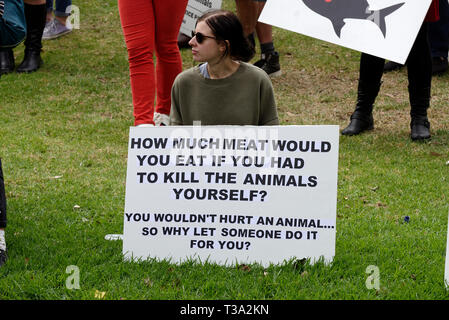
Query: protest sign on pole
point(446, 270)
point(194, 10)
point(230, 194)
point(383, 28)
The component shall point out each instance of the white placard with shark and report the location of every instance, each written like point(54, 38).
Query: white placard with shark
point(383, 28)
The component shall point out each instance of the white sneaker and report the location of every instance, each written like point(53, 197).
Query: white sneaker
point(161, 119)
point(54, 29)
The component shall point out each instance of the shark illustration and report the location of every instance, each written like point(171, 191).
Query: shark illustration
point(338, 10)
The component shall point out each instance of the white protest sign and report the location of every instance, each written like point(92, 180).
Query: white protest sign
point(194, 10)
point(383, 28)
point(231, 194)
point(446, 271)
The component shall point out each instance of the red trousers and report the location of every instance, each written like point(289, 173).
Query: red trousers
point(152, 26)
point(433, 14)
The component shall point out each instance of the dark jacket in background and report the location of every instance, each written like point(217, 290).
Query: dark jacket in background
point(12, 24)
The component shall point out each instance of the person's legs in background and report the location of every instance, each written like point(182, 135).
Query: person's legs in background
point(269, 61)
point(439, 42)
point(371, 70)
point(35, 15)
point(138, 24)
point(57, 24)
point(61, 13)
point(6, 60)
point(50, 16)
point(6, 54)
point(248, 12)
point(419, 67)
point(168, 18)
point(439, 39)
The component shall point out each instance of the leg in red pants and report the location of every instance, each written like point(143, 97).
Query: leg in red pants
point(152, 26)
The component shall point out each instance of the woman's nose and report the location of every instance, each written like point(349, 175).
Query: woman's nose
point(192, 41)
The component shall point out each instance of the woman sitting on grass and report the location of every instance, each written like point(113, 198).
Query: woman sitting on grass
point(224, 90)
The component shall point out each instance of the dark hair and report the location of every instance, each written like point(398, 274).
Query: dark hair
point(226, 26)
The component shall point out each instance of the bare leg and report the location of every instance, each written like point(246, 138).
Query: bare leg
point(248, 12)
point(264, 31)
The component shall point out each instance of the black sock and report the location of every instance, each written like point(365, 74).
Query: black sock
point(266, 47)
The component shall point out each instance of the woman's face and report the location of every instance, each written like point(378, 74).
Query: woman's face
point(209, 50)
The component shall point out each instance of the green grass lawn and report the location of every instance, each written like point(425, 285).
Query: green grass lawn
point(63, 141)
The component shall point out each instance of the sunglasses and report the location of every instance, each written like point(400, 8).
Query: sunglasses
point(200, 37)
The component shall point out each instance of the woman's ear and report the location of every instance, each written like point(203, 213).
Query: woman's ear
point(225, 46)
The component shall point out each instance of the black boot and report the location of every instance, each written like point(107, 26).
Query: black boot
point(269, 63)
point(419, 102)
point(6, 61)
point(35, 18)
point(362, 117)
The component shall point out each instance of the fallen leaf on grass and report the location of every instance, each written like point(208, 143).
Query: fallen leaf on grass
point(99, 294)
point(148, 282)
point(290, 114)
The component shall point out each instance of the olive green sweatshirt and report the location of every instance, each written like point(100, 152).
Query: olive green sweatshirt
point(244, 98)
